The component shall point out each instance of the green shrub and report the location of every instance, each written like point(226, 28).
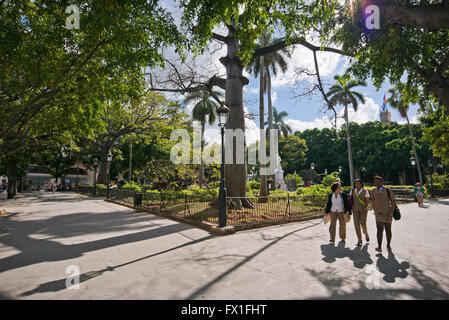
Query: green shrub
point(278, 193)
point(101, 187)
point(318, 189)
point(174, 186)
point(132, 186)
point(299, 180)
point(331, 178)
point(439, 181)
point(205, 194)
point(252, 185)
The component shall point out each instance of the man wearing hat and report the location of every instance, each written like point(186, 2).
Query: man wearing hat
point(383, 206)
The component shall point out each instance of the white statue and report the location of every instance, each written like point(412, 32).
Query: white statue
point(279, 176)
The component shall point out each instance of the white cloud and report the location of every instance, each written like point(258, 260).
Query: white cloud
point(251, 90)
point(303, 58)
point(413, 120)
point(274, 96)
point(212, 133)
point(369, 111)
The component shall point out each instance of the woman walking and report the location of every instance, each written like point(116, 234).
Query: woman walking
point(419, 194)
point(383, 205)
point(360, 199)
point(338, 208)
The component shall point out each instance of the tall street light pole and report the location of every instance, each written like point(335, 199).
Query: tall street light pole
point(109, 172)
point(312, 166)
point(431, 177)
point(413, 162)
point(295, 181)
point(223, 114)
point(95, 176)
point(339, 170)
point(77, 169)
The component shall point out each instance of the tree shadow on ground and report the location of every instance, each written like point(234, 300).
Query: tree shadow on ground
point(359, 255)
point(58, 285)
point(36, 239)
point(220, 277)
point(444, 202)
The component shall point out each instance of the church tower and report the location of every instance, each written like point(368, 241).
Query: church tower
point(385, 115)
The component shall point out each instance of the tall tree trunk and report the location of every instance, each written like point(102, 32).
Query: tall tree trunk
point(11, 173)
point(270, 106)
point(414, 149)
point(235, 174)
point(270, 115)
point(263, 191)
point(439, 86)
point(130, 161)
point(430, 17)
point(103, 167)
point(348, 139)
point(202, 150)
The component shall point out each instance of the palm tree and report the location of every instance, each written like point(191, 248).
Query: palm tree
point(398, 102)
point(278, 122)
point(261, 67)
point(341, 93)
point(204, 107)
point(273, 63)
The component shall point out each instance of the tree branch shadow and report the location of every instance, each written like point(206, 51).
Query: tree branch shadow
point(205, 287)
point(58, 285)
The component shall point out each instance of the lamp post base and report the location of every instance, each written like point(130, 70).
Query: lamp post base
point(222, 220)
point(223, 231)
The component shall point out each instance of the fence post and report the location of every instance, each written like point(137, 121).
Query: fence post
point(185, 204)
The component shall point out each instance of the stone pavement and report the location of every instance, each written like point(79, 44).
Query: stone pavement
point(122, 255)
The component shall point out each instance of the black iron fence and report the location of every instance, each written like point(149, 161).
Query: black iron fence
point(180, 205)
point(241, 211)
point(100, 192)
point(441, 193)
point(252, 210)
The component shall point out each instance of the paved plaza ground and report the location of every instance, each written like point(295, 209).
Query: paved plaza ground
point(123, 255)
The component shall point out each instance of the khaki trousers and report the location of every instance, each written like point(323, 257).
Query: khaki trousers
point(333, 226)
point(359, 216)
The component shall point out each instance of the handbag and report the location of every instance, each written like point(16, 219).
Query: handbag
point(396, 212)
point(351, 201)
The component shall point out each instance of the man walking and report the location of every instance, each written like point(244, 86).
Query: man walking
point(383, 205)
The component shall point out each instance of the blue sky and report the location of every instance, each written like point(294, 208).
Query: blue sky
point(303, 113)
point(307, 113)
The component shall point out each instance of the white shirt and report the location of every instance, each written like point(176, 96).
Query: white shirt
point(361, 189)
point(337, 203)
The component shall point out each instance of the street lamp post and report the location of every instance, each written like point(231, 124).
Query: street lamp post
point(223, 114)
point(413, 162)
point(431, 177)
point(363, 173)
point(312, 166)
point(109, 172)
point(95, 176)
point(295, 180)
point(77, 177)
